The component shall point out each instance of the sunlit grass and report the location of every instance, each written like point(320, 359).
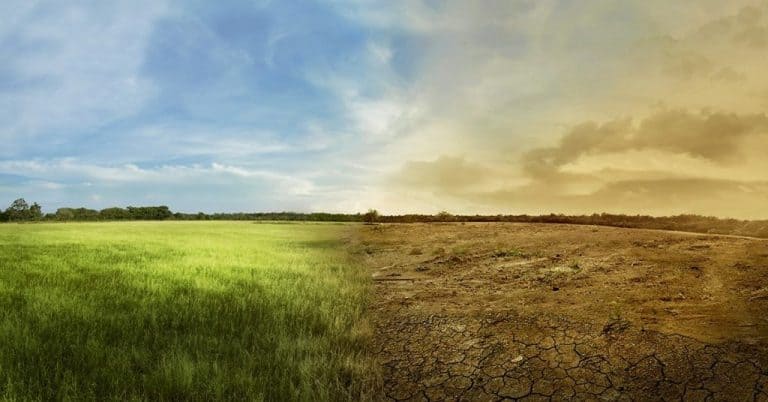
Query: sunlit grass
point(181, 311)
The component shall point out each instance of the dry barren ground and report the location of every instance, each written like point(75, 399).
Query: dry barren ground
point(548, 312)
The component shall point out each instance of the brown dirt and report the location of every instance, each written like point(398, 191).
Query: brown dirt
point(541, 311)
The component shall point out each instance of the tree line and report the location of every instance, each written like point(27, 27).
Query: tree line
point(684, 222)
point(21, 211)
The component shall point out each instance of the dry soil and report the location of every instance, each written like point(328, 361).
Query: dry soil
point(506, 311)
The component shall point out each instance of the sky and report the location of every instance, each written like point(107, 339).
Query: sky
point(540, 106)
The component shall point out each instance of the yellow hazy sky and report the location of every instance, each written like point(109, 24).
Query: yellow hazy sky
point(638, 107)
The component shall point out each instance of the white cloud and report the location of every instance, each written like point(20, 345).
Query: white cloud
point(380, 52)
point(77, 66)
point(378, 119)
point(48, 185)
point(91, 175)
point(289, 184)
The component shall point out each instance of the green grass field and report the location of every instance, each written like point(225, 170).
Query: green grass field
point(181, 311)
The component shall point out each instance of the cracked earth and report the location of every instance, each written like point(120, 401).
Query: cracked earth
point(506, 311)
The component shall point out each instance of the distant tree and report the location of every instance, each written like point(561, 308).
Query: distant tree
point(370, 217)
point(150, 213)
point(86, 214)
point(65, 214)
point(114, 214)
point(76, 214)
point(162, 212)
point(444, 216)
point(35, 212)
point(18, 211)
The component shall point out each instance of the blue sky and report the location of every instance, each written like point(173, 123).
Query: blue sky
point(405, 106)
point(236, 105)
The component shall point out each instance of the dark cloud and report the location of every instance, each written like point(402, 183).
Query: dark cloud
point(728, 74)
point(686, 64)
point(716, 136)
point(708, 52)
point(749, 27)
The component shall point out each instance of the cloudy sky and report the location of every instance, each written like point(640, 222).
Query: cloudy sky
point(644, 106)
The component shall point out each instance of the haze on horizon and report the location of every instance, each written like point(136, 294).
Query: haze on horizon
point(638, 107)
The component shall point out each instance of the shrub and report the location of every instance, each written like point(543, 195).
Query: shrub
point(371, 217)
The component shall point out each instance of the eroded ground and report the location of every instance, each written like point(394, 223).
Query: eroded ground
point(534, 311)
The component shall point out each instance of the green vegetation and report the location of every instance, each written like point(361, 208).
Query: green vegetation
point(181, 311)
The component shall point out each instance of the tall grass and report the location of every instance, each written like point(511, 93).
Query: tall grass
point(181, 311)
